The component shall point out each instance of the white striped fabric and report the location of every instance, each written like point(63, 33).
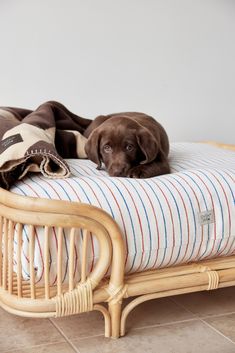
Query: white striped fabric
point(188, 215)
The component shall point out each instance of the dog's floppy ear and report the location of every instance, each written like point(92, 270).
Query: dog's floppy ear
point(92, 147)
point(148, 144)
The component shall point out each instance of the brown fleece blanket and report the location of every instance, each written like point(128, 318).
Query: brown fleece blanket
point(38, 141)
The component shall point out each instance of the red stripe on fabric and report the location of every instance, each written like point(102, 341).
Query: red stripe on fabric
point(187, 218)
point(76, 261)
point(75, 247)
point(79, 200)
point(156, 222)
point(84, 170)
point(74, 190)
point(199, 207)
point(25, 255)
point(229, 215)
point(36, 234)
point(120, 211)
point(54, 232)
point(172, 221)
point(82, 178)
point(92, 240)
point(229, 251)
point(140, 223)
point(56, 244)
point(93, 252)
point(41, 255)
point(214, 240)
point(230, 176)
point(45, 181)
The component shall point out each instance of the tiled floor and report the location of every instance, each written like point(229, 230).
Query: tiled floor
point(194, 323)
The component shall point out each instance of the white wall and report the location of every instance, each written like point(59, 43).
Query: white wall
point(173, 59)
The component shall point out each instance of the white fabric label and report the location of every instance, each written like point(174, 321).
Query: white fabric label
point(206, 217)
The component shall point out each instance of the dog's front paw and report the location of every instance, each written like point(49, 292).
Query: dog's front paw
point(138, 172)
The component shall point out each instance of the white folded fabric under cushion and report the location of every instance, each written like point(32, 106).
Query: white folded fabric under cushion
point(185, 216)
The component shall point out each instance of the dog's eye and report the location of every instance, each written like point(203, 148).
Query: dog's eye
point(107, 149)
point(129, 147)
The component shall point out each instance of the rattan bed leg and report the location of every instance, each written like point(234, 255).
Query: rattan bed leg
point(115, 313)
point(107, 321)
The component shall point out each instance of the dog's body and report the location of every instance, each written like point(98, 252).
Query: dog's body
point(129, 144)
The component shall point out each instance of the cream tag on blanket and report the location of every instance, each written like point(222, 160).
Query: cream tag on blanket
point(9, 141)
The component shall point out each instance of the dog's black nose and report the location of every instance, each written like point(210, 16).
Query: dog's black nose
point(117, 171)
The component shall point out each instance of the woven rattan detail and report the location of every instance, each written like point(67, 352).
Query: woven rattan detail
point(78, 300)
point(213, 277)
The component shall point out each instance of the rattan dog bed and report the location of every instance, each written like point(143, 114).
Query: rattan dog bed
point(26, 298)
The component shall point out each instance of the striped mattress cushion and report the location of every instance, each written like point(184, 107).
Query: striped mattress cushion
point(185, 216)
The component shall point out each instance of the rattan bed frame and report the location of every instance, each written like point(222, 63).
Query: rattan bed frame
point(24, 298)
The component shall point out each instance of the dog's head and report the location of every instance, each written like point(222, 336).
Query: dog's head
point(121, 143)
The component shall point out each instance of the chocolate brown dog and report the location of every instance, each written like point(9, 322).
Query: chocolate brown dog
point(129, 144)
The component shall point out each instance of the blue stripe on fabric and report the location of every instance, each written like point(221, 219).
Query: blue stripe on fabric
point(208, 229)
point(83, 190)
point(67, 255)
point(164, 220)
point(221, 208)
point(88, 199)
point(132, 224)
point(34, 181)
point(23, 193)
point(95, 172)
point(147, 218)
point(194, 217)
point(63, 188)
point(65, 241)
point(180, 222)
point(233, 193)
point(26, 235)
point(103, 193)
point(64, 235)
point(24, 231)
point(37, 183)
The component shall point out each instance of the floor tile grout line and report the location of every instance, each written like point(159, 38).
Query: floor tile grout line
point(183, 307)
point(34, 346)
point(88, 337)
point(195, 317)
point(64, 335)
point(219, 332)
point(202, 317)
point(145, 327)
point(212, 316)
point(166, 324)
point(153, 326)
